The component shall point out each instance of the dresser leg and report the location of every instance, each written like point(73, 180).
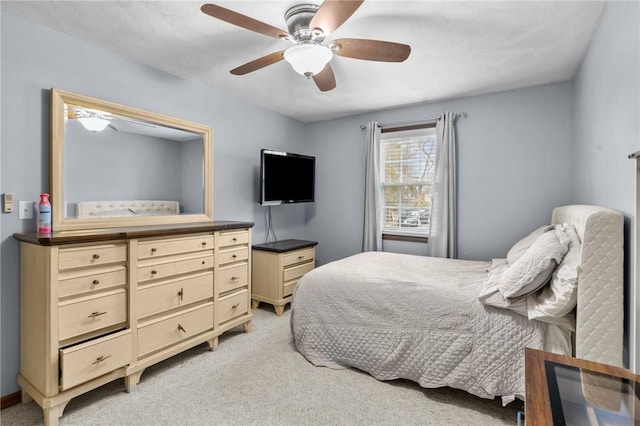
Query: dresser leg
point(53, 414)
point(279, 310)
point(247, 327)
point(132, 380)
point(213, 344)
point(25, 397)
point(255, 304)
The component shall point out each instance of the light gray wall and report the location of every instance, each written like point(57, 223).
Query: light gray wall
point(606, 126)
point(513, 157)
point(34, 59)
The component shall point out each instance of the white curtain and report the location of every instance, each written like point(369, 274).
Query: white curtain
point(443, 230)
point(372, 239)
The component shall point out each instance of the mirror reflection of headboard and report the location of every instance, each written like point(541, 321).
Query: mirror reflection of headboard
point(113, 153)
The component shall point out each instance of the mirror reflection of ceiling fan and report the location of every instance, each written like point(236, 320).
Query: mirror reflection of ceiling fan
point(308, 25)
point(96, 121)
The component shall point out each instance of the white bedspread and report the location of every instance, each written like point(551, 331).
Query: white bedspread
point(412, 317)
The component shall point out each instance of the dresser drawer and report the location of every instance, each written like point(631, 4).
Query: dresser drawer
point(179, 266)
point(294, 272)
point(298, 256)
point(87, 314)
point(231, 306)
point(165, 331)
point(233, 238)
point(166, 247)
point(232, 277)
point(228, 256)
point(89, 360)
point(80, 257)
point(159, 297)
point(85, 280)
point(287, 288)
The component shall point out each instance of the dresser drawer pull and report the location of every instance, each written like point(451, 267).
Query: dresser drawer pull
point(235, 278)
point(96, 256)
point(181, 293)
point(153, 250)
point(234, 256)
point(204, 243)
point(234, 239)
point(153, 272)
point(96, 314)
point(95, 282)
point(100, 359)
point(181, 328)
point(234, 307)
point(203, 262)
point(300, 257)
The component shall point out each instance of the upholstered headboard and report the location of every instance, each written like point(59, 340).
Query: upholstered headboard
point(87, 209)
point(599, 313)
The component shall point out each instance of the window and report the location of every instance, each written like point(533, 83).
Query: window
point(408, 161)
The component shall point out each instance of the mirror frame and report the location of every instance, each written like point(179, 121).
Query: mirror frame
point(60, 223)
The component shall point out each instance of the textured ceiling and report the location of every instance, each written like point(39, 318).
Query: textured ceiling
point(458, 48)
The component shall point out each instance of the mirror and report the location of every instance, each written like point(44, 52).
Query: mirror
point(118, 166)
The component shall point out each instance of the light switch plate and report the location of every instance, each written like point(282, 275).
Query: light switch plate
point(7, 202)
point(25, 209)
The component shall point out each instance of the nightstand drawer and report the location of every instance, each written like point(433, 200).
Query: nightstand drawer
point(168, 295)
point(232, 305)
point(178, 266)
point(229, 256)
point(165, 331)
point(91, 279)
point(233, 238)
point(80, 257)
point(84, 315)
point(298, 256)
point(287, 288)
point(89, 360)
point(230, 278)
point(166, 247)
point(297, 271)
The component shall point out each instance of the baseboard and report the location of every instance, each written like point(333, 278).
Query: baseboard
point(11, 399)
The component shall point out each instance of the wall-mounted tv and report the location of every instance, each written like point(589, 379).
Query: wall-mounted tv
point(286, 178)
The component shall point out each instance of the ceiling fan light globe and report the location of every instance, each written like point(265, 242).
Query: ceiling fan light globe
point(94, 124)
point(308, 59)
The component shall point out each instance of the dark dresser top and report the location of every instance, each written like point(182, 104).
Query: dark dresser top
point(285, 245)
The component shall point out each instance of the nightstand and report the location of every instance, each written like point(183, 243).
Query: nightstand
point(276, 269)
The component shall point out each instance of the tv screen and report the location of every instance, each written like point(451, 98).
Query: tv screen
point(286, 178)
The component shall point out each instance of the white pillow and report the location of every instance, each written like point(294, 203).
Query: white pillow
point(561, 295)
point(521, 246)
point(534, 268)
point(490, 295)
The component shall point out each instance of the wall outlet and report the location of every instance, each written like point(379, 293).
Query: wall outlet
point(26, 209)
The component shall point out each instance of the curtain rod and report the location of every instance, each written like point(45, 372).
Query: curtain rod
point(428, 120)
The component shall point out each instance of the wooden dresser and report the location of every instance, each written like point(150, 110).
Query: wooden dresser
point(98, 306)
point(277, 267)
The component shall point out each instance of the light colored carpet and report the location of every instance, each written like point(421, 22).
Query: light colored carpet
point(259, 378)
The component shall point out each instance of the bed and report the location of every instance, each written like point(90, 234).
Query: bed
point(125, 208)
point(430, 320)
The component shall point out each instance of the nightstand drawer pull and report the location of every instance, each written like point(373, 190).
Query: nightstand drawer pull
point(96, 314)
point(234, 307)
point(181, 293)
point(96, 256)
point(234, 239)
point(153, 249)
point(95, 282)
point(181, 328)
point(100, 359)
point(235, 278)
point(300, 257)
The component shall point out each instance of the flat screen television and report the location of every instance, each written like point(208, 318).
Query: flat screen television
point(286, 178)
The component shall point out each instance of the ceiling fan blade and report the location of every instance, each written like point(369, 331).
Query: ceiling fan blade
point(333, 13)
point(372, 50)
point(256, 64)
point(325, 80)
point(243, 21)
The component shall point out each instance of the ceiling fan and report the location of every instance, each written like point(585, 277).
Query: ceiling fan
point(308, 25)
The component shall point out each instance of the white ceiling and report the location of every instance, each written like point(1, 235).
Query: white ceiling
point(458, 48)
